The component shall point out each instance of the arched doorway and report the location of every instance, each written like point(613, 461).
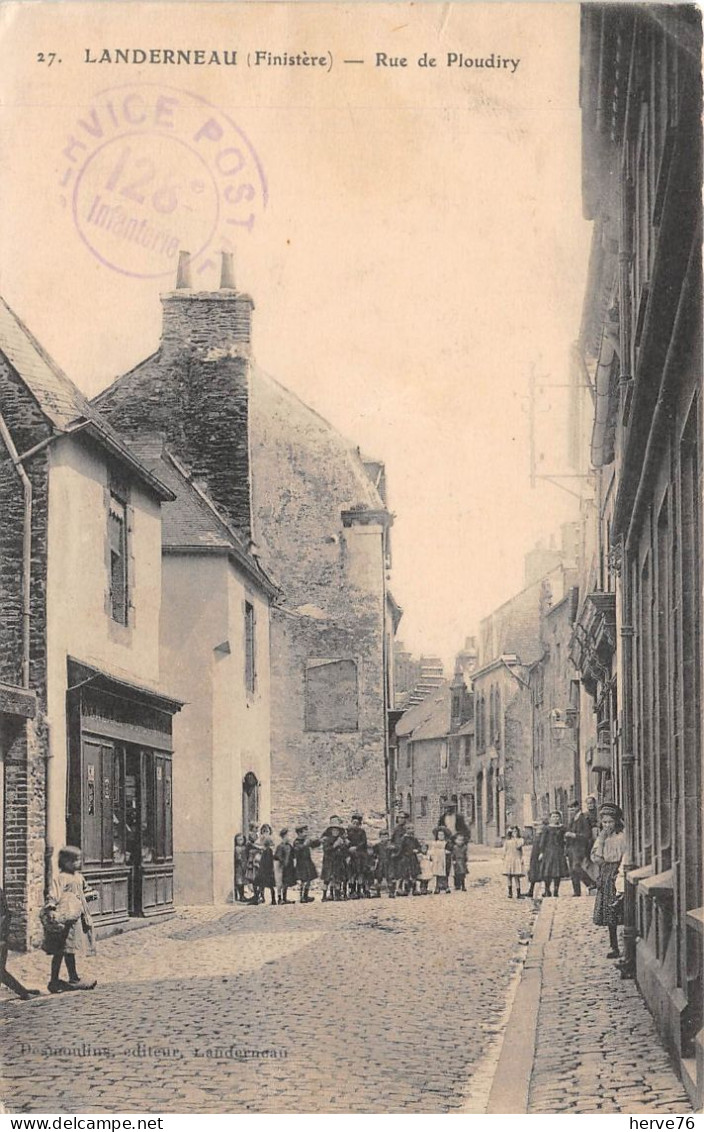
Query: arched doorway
point(480, 808)
point(250, 800)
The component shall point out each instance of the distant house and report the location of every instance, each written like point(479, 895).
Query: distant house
point(555, 693)
point(433, 764)
point(306, 504)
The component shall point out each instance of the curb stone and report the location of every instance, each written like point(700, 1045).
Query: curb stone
point(511, 1084)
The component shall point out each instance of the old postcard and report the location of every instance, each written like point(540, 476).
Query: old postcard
point(350, 555)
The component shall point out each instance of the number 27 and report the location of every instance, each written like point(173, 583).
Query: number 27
point(49, 58)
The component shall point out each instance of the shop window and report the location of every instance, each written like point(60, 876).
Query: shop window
point(156, 824)
point(443, 756)
point(331, 695)
point(250, 672)
point(409, 805)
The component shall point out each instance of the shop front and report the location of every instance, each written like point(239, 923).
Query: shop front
point(120, 798)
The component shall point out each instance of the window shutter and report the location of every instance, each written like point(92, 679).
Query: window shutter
point(131, 611)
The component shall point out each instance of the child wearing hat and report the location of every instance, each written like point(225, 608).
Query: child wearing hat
point(357, 847)
point(304, 867)
point(284, 869)
point(553, 860)
point(608, 852)
point(334, 874)
point(264, 877)
point(383, 865)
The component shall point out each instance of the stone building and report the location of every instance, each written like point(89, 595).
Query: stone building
point(511, 643)
point(141, 600)
point(555, 692)
point(214, 638)
point(86, 745)
point(305, 502)
point(434, 756)
point(639, 632)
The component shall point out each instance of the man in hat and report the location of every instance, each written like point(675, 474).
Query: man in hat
point(357, 842)
point(396, 849)
point(452, 822)
point(578, 842)
point(593, 814)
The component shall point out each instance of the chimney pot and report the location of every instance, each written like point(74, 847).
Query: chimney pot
point(227, 272)
point(183, 272)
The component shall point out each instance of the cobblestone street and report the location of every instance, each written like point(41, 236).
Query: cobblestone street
point(597, 1048)
point(373, 1006)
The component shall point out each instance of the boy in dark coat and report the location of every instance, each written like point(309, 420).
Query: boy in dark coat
point(578, 843)
point(305, 869)
point(534, 868)
point(458, 853)
point(357, 842)
point(265, 872)
point(383, 865)
point(408, 869)
point(284, 870)
point(334, 872)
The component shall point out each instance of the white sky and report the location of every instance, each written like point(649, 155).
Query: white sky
point(422, 246)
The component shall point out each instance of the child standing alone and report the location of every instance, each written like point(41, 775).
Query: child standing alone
point(69, 901)
point(513, 860)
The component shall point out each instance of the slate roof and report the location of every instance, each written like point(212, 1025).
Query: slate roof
point(429, 719)
point(191, 521)
point(62, 402)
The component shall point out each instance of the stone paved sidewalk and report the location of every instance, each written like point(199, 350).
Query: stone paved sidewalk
point(597, 1047)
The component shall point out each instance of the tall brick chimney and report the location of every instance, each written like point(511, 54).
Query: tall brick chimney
point(206, 352)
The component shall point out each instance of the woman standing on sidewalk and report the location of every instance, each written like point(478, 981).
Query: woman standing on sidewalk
point(553, 862)
point(608, 853)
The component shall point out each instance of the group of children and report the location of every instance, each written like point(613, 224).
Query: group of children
point(352, 867)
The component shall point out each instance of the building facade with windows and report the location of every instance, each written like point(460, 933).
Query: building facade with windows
point(214, 654)
point(642, 630)
point(305, 502)
point(434, 756)
point(512, 648)
point(89, 761)
point(555, 693)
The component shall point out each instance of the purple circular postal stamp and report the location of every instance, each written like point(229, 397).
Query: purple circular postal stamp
point(151, 170)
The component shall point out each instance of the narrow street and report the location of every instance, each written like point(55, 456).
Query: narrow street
point(371, 1006)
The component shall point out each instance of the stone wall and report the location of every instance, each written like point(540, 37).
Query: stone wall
point(248, 437)
point(24, 743)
